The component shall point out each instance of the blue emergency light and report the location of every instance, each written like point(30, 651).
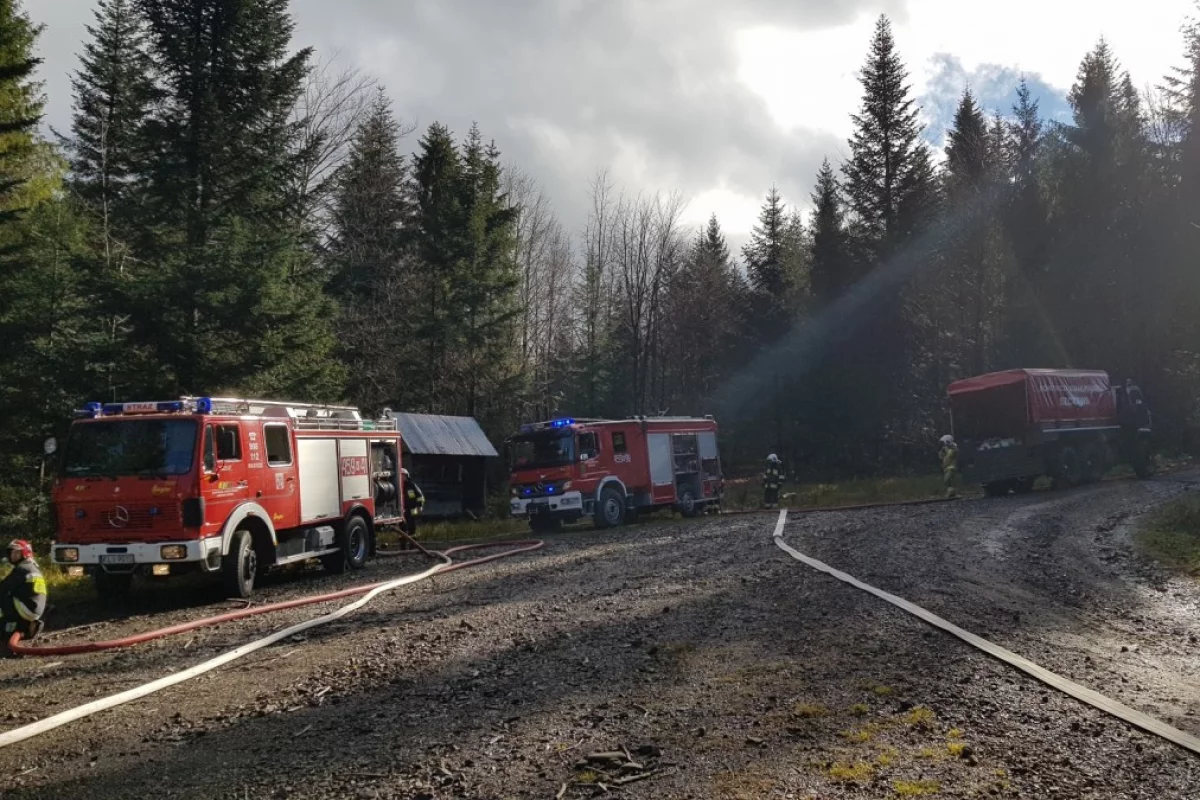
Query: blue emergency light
point(561, 423)
point(204, 405)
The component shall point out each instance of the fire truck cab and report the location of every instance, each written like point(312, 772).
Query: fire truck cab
point(565, 469)
point(225, 486)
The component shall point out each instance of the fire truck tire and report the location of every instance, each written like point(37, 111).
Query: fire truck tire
point(610, 508)
point(1024, 485)
point(687, 503)
point(354, 543)
point(239, 566)
point(112, 588)
point(1069, 472)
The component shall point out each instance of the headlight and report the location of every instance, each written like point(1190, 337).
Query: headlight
point(67, 554)
point(173, 552)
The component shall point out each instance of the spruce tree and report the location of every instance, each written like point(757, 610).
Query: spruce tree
point(440, 244)
point(484, 297)
point(114, 91)
point(888, 179)
point(831, 269)
point(373, 275)
point(763, 254)
point(764, 257)
point(225, 308)
point(20, 109)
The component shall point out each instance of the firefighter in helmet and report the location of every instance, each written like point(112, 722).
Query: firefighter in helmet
point(949, 457)
point(22, 593)
point(772, 481)
point(414, 503)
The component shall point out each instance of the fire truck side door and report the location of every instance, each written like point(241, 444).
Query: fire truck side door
point(662, 467)
point(280, 495)
point(225, 472)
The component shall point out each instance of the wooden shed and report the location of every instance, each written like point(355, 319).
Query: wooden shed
point(447, 457)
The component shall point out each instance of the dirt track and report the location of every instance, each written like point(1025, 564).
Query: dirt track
point(725, 668)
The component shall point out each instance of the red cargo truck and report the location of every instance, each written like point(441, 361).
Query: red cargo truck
point(610, 470)
point(1071, 425)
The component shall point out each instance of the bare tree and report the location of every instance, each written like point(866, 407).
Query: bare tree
point(333, 104)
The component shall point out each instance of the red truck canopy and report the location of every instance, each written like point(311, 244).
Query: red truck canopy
point(1006, 403)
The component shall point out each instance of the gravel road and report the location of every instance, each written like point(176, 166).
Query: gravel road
point(667, 660)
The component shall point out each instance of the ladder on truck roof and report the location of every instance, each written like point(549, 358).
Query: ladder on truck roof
point(307, 416)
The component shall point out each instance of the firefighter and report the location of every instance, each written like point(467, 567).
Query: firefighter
point(949, 456)
point(414, 503)
point(772, 480)
point(22, 593)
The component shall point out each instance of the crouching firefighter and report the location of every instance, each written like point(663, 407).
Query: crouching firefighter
point(414, 503)
point(949, 456)
point(772, 480)
point(22, 593)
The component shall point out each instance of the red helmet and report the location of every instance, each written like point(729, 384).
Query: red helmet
point(20, 544)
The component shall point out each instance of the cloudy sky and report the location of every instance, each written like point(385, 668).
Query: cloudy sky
point(713, 98)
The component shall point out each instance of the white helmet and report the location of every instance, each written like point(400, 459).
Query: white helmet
point(772, 458)
point(947, 439)
point(404, 472)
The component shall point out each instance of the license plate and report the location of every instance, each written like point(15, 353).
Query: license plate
point(120, 559)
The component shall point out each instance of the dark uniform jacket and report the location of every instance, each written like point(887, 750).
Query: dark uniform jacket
point(22, 594)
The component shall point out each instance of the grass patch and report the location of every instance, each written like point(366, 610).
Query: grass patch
point(916, 788)
point(1172, 535)
point(861, 736)
point(809, 710)
point(956, 749)
point(920, 717)
point(747, 492)
point(860, 709)
point(883, 691)
point(858, 772)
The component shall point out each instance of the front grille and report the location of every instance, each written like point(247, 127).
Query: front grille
point(133, 517)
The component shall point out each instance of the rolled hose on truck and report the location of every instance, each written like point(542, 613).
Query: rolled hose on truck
point(522, 546)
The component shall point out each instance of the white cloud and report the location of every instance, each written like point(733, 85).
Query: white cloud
point(809, 78)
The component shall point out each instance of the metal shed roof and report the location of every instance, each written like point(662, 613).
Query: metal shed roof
point(433, 435)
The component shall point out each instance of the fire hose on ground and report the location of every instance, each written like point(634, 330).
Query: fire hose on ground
point(369, 592)
point(1091, 697)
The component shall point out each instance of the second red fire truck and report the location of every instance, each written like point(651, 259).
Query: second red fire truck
point(225, 486)
point(610, 470)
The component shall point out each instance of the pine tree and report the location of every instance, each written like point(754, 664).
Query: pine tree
point(440, 244)
point(20, 109)
point(373, 270)
point(889, 175)
point(225, 308)
point(764, 257)
point(484, 297)
point(1027, 233)
point(763, 254)
point(114, 92)
point(831, 266)
point(1099, 281)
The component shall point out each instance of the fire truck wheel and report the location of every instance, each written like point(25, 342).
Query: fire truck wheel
point(355, 541)
point(1069, 472)
point(687, 503)
point(240, 565)
point(610, 510)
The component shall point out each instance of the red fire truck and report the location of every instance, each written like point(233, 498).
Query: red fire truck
point(1069, 424)
point(225, 486)
point(565, 469)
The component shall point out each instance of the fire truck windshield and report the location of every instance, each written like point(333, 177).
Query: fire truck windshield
point(131, 447)
point(543, 449)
